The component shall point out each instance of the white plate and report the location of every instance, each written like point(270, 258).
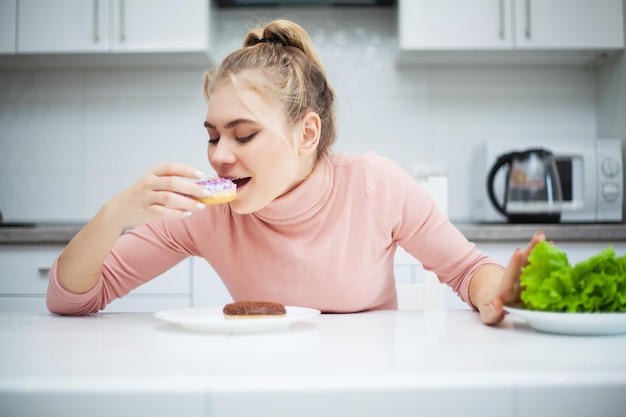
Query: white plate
point(572, 323)
point(211, 319)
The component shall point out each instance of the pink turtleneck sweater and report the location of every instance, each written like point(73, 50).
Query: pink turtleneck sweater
point(328, 244)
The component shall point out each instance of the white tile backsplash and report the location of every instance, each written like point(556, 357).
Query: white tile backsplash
point(76, 137)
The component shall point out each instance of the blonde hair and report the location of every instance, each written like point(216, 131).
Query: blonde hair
point(279, 61)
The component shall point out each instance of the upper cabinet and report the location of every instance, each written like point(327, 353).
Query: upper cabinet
point(110, 27)
point(569, 24)
point(455, 24)
point(8, 9)
point(479, 26)
point(63, 26)
point(159, 25)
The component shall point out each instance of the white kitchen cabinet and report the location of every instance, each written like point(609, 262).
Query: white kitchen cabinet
point(569, 24)
point(510, 25)
point(72, 26)
point(419, 289)
point(160, 25)
point(208, 288)
point(24, 282)
point(455, 25)
point(102, 26)
point(8, 13)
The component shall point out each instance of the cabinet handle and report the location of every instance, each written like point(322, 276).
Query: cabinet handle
point(528, 26)
point(122, 21)
point(502, 28)
point(96, 21)
point(43, 270)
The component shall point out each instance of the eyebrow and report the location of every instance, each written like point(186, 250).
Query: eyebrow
point(230, 124)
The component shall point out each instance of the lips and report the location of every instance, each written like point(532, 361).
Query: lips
point(240, 181)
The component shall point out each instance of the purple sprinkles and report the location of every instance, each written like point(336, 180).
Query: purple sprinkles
point(218, 184)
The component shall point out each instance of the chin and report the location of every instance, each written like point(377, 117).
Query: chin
point(240, 208)
point(245, 206)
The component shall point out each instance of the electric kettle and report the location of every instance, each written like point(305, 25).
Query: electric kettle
point(532, 191)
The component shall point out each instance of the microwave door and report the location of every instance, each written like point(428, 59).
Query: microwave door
point(578, 189)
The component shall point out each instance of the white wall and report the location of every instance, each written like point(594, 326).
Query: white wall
point(70, 139)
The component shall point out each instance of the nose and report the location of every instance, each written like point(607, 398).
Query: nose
point(221, 153)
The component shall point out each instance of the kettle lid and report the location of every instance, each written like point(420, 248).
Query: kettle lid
point(541, 152)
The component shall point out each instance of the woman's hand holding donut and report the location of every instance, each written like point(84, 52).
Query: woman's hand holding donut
point(163, 192)
point(157, 194)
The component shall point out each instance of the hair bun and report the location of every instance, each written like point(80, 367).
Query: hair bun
point(269, 40)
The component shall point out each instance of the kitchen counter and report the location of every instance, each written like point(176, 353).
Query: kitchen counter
point(385, 363)
point(46, 233)
point(497, 232)
point(63, 232)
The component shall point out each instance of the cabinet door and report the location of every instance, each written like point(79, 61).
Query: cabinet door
point(63, 26)
point(160, 25)
point(8, 15)
point(208, 288)
point(569, 24)
point(455, 25)
point(24, 282)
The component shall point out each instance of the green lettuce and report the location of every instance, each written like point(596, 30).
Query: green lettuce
point(550, 283)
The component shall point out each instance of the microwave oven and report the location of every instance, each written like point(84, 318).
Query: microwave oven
point(591, 174)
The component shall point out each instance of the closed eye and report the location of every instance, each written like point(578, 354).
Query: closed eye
point(247, 138)
point(214, 141)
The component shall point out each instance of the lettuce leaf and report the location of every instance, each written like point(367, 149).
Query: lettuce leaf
point(550, 283)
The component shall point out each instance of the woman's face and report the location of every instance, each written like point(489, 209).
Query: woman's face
point(250, 143)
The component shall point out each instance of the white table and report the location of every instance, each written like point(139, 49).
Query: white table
point(387, 363)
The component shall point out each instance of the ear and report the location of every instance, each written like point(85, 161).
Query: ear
point(311, 128)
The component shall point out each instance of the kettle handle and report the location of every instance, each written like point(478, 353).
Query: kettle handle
point(500, 162)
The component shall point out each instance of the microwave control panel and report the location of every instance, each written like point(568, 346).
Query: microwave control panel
point(611, 181)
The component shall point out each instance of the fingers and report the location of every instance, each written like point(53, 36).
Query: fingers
point(172, 177)
point(164, 192)
point(180, 186)
point(508, 291)
point(172, 169)
point(510, 288)
point(537, 237)
point(177, 201)
point(519, 259)
point(492, 314)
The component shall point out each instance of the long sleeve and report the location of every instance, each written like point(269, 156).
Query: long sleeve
point(417, 225)
point(137, 257)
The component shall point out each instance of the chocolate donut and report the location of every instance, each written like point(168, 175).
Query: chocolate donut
point(253, 309)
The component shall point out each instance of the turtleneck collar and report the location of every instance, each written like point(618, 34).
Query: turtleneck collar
point(302, 202)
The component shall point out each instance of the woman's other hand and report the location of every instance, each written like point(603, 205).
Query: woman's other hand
point(509, 289)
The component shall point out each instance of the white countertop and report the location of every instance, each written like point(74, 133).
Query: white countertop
point(387, 363)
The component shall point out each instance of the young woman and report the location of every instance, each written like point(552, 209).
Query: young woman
point(308, 228)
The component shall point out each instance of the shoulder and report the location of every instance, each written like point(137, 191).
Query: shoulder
point(371, 170)
point(364, 164)
point(378, 179)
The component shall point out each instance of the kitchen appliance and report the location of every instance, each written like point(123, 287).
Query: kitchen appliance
point(591, 174)
point(532, 187)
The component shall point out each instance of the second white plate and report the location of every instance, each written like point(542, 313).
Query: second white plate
point(211, 319)
point(572, 323)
